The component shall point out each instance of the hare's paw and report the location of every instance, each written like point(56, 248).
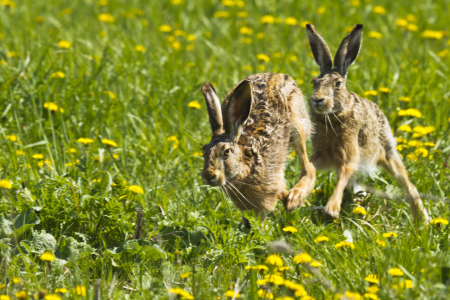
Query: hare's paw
point(299, 193)
point(332, 210)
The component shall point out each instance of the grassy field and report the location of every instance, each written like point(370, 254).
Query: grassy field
point(102, 123)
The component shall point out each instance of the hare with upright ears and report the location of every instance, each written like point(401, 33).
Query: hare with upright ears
point(352, 134)
point(251, 133)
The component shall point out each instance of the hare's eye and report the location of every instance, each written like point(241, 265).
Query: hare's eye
point(338, 84)
point(226, 152)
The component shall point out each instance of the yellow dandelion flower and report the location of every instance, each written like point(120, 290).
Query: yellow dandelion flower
point(290, 229)
point(19, 152)
point(408, 284)
point(396, 272)
point(371, 93)
point(221, 14)
point(176, 2)
point(390, 235)
point(443, 53)
point(109, 143)
point(293, 58)
point(52, 297)
point(198, 153)
point(372, 278)
point(179, 32)
point(405, 128)
point(176, 45)
point(165, 28)
point(245, 40)
point(401, 22)
point(282, 269)
point(291, 21)
point(411, 18)
point(47, 256)
point(140, 48)
point(404, 99)
point(420, 130)
point(302, 258)
point(85, 141)
point(8, 3)
point(194, 104)
point(261, 67)
point(371, 296)
point(315, 73)
point(315, 264)
point(185, 275)
point(373, 289)
point(52, 106)
point(2, 285)
point(320, 239)
point(267, 19)
point(246, 30)
point(275, 279)
point(16, 279)
point(190, 47)
point(260, 35)
point(38, 156)
point(21, 294)
point(353, 296)
point(320, 10)
point(379, 10)
point(242, 14)
point(344, 244)
point(294, 286)
point(303, 24)
point(263, 57)
point(262, 268)
point(385, 90)
point(12, 54)
point(190, 37)
point(136, 189)
point(375, 35)
point(80, 290)
point(412, 27)
point(355, 3)
point(174, 140)
point(274, 260)
point(106, 18)
point(264, 294)
point(5, 184)
point(439, 220)
point(12, 138)
point(262, 282)
point(58, 74)
point(183, 294)
point(359, 211)
point(432, 34)
point(413, 112)
point(232, 294)
point(64, 44)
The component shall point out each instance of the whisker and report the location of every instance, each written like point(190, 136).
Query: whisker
point(341, 122)
point(230, 190)
point(242, 195)
point(331, 125)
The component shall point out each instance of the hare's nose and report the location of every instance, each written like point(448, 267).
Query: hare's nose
point(213, 178)
point(319, 101)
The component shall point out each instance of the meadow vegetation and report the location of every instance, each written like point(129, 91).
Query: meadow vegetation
point(102, 123)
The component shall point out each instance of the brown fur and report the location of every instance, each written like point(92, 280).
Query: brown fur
point(262, 116)
point(352, 134)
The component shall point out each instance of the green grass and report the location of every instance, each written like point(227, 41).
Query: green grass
point(78, 205)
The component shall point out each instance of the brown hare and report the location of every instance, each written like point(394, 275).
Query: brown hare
point(352, 135)
point(251, 133)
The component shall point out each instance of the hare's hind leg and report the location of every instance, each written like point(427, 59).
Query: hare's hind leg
point(394, 166)
point(298, 194)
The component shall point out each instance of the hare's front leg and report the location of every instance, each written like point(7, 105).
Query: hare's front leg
point(298, 194)
point(333, 207)
point(394, 166)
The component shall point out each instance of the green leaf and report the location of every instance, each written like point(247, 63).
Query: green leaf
point(25, 221)
point(5, 226)
point(43, 241)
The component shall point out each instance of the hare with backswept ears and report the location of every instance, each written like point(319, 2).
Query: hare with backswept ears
point(251, 133)
point(352, 134)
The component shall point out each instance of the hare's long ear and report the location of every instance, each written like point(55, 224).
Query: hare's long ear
point(348, 50)
point(239, 109)
point(320, 49)
point(213, 106)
